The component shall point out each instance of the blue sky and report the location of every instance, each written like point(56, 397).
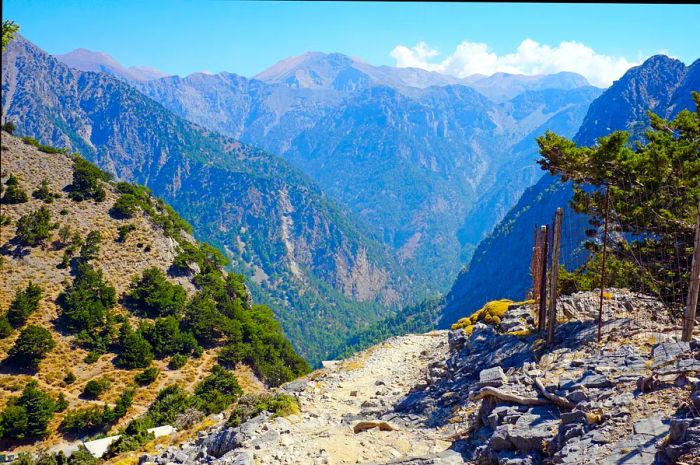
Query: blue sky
point(181, 37)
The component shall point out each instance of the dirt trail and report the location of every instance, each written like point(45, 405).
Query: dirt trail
point(330, 400)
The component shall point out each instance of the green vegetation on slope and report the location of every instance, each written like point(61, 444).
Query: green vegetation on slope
point(654, 190)
point(152, 319)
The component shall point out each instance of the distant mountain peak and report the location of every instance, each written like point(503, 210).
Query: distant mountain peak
point(660, 84)
point(100, 62)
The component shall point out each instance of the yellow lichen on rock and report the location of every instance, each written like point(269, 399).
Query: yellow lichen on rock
point(491, 314)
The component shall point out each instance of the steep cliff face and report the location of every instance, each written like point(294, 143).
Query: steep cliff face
point(273, 221)
point(658, 85)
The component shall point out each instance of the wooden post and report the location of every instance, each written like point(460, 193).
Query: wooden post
point(692, 303)
point(554, 276)
point(534, 264)
point(602, 269)
point(544, 241)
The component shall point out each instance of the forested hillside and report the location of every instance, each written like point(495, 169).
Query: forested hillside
point(308, 258)
point(110, 309)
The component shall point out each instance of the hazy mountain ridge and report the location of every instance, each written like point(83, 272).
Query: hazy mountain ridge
point(256, 206)
point(656, 85)
point(99, 62)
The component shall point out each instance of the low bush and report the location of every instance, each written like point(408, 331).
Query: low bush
point(251, 405)
point(177, 361)
point(13, 192)
point(153, 295)
point(32, 345)
point(27, 416)
point(218, 390)
point(34, 228)
point(95, 388)
point(44, 193)
point(25, 303)
point(124, 231)
point(147, 376)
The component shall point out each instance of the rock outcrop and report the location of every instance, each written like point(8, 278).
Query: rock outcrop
point(496, 396)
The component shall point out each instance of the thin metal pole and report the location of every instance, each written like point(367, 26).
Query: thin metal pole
point(544, 241)
point(554, 276)
point(602, 271)
point(691, 305)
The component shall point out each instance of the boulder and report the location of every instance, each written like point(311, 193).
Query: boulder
point(492, 377)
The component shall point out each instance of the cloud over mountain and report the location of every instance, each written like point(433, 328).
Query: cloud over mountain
point(529, 58)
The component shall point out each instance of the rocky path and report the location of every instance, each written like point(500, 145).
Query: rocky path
point(346, 414)
point(353, 395)
point(497, 398)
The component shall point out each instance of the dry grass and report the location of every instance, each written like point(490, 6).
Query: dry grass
point(120, 263)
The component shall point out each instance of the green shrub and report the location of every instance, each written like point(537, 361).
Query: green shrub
point(126, 206)
point(82, 457)
point(87, 180)
point(177, 361)
point(6, 328)
point(147, 376)
point(135, 351)
point(203, 320)
point(9, 127)
point(96, 417)
point(69, 378)
point(34, 228)
point(61, 403)
point(86, 419)
point(65, 261)
point(134, 436)
point(14, 193)
point(32, 345)
point(25, 303)
point(43, 148)
point(127, 443)
point(250, 406)
point(87, 301)
point(124, 231)
point(218, 390)
point(91, 246)
point(27, 416)
point(44, 193)
point(153, 295)
point(95, 388)
point(92, 357)
point(13, 421)
point(166, 338)
point(170, 402)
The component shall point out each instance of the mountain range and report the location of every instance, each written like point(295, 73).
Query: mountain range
point(305, 255)
point(443, 143)
point(661, 85)
point(385, 180)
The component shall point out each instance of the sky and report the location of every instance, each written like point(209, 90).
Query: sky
point(181, 37)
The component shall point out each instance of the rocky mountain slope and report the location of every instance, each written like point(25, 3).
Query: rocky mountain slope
point(86, 338)
point(652, 86)
point(493, 395)
point(305, 256)
point(414, 154)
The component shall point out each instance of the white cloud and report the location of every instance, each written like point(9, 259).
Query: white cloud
point(529, 58)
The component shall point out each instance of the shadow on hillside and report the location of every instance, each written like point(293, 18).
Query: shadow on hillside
point(10, 366)
point(14, 249)
point(489, 350)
